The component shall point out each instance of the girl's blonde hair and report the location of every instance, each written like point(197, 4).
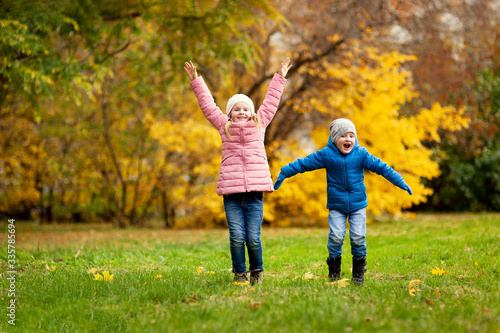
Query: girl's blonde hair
point(255, 119)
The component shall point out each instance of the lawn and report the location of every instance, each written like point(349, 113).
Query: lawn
point(435, 273)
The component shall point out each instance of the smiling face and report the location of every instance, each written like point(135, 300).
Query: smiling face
point(346, 142)
point(241, 112)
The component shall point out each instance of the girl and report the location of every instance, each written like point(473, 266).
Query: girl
point(345, 161)
point(244, 172)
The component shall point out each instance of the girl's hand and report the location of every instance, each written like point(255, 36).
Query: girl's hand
point(190, 70)
point(285, 66)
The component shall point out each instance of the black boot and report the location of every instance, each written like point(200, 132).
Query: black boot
point(334, 268)
point(358, 270)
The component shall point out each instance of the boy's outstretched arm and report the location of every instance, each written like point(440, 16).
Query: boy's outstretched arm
point(309, 163)
point(190, 70)
point(376, 165)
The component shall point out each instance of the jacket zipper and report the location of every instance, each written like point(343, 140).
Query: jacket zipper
point(346, 185)
point(242, 135)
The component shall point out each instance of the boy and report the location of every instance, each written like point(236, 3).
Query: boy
point(345, 161)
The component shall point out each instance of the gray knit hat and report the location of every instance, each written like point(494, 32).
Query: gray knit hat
point(239, 98)
point(341, 126)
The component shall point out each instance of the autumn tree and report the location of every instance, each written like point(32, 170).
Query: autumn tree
point(321, 36)
point(91, 144)
point(456, 43)
point(116, 133)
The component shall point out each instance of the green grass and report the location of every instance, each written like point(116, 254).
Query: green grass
point(55, 292)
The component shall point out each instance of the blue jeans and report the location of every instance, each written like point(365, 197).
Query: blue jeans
point(244, 213)
point(357, 232)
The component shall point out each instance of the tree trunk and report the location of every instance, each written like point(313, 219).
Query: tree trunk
point(168, 211)
point(121, 218)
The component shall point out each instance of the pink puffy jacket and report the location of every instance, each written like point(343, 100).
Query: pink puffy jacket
point(244, 166)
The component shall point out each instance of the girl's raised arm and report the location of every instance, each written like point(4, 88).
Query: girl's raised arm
point(190, 70)
point(271, 102)
point(205, 99)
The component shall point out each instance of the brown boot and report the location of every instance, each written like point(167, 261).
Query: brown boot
point(240, 277)
point(255, 277)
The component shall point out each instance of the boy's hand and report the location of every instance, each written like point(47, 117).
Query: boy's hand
point(280, 180)
point(405, 187)
point(190, 70)
point(285, 66)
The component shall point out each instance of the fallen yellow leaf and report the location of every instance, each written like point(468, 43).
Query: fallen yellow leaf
point(246, 283)
point(339, 283)
point(438, 271)
point(414, 282)
point(411, 290)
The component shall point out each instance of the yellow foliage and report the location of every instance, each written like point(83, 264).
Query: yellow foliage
point(191, 152)
point(372, 88)
point(181, 152)
point(17, 172)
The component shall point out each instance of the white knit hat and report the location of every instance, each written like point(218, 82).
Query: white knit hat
point(239, 98)
point(341, 126)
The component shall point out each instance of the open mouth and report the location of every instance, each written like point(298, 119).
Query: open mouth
point(347, 145)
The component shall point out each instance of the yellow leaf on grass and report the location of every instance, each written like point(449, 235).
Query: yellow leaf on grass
point(199, 270)
point(107, 277)
point(414, 282)
point(241, 284)
point(308, 276)
point(159, 276)
point(438, 271)
point(411, 290)
point(339, 283)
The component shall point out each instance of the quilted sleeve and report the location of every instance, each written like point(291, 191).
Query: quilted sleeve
point(271, 102)
point(308, 163)
point(207, 103)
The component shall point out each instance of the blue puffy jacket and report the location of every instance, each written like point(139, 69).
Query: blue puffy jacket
point(345, 174)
